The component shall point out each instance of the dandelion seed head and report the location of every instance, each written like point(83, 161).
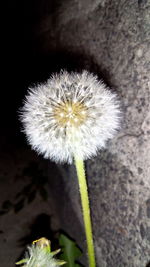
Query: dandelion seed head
point(37, 257)
point(71, 114)
point(39, 254)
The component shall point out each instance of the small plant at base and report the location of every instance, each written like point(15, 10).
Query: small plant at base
point(40, 255)
point(68, 119)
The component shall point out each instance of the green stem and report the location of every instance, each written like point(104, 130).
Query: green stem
point(86, 210)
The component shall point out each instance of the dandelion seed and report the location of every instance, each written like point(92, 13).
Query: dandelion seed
point(39, 255)
point(70, 114)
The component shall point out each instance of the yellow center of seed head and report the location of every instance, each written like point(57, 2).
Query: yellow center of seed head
point(70, 114)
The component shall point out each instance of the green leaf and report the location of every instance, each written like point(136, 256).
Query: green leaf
point(70, 251)
point(21, 262)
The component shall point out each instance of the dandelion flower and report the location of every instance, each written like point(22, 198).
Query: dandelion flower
point(39, 255)
point(71, 114)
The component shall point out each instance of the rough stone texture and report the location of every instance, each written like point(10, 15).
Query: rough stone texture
point(111, 38)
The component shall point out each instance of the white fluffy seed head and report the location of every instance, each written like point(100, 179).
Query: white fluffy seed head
point(71, 114)
point(39, 254)
point(37, 257)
